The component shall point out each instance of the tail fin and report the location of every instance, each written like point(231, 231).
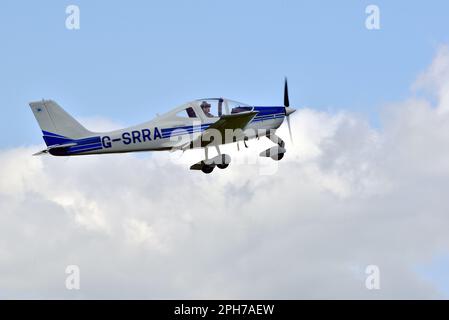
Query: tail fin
point(57, 125)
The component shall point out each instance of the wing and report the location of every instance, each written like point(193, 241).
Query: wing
point(218, 129)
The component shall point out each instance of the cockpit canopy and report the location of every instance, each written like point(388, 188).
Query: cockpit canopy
point(211, 108)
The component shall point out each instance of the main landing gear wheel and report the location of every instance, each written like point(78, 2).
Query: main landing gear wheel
point(208, 165)
point(207, 168)
point(222, 166)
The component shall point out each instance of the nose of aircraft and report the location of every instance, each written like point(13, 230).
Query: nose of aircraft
point(289, 111)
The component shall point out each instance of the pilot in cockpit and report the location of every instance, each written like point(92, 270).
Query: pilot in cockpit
point(206, 109)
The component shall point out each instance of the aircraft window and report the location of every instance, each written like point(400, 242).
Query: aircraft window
point(237, 107)
point(187, 113)
point(241, 109)
point(191, 112)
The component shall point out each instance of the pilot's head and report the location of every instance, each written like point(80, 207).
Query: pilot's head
point(205, 106)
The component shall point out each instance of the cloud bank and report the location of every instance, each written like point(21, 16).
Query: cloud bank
point(346, 196)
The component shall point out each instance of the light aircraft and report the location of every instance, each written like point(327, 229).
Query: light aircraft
point(202, 123)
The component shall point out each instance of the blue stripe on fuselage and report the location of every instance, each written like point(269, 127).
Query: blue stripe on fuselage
point(82, 145)
point(91, 147)
point(169, 132)
point(46, 133)
point(268, 113)
point(269, 110)
point(51, 140)
point(268, 118)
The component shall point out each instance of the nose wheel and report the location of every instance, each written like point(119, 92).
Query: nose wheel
point(278, 157)
point(277, 152)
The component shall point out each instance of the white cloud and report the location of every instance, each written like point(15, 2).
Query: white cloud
point(345, 196)
point(436, 79)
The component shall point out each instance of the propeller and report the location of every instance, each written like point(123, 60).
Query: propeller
point(286, 100)
point(288, 110)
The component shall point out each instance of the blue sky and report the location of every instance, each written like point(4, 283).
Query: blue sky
point(436, 272)
point(133, 59)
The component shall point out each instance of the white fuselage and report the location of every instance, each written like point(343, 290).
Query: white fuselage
point(159, 135)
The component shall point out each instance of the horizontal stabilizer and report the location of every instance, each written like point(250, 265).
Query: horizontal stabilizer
point(54, 147)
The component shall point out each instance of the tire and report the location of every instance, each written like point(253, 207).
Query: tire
point(207, 169)
point(278, 157)
point(222, 166)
